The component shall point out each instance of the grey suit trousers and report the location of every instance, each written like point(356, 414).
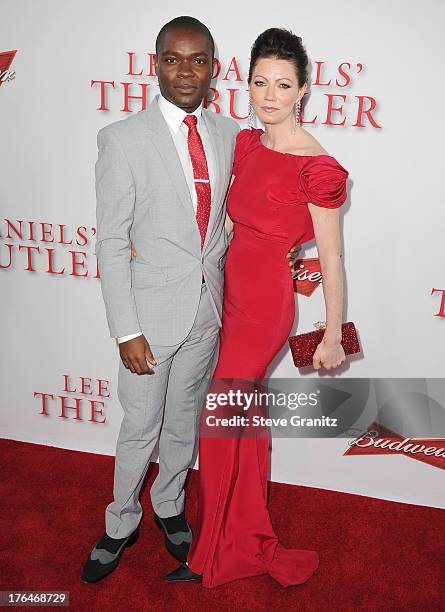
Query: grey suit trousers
point(164, 406)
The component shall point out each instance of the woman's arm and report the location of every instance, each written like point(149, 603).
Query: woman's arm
point(327, 236)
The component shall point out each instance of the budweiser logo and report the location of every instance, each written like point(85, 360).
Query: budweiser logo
point(379, 440)
point(5, 63)
point(307, 276)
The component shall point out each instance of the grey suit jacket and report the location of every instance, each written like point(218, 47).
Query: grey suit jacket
point(143, 197)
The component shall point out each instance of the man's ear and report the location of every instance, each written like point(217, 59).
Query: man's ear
point(155, 63)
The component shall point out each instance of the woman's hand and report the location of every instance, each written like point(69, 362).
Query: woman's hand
point(328, 355)
point(228, 225)
point(133, 251)
point(292, 255)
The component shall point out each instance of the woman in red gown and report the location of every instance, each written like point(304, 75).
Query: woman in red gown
point(284, 185)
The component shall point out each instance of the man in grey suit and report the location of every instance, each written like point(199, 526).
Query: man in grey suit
point(163, 306)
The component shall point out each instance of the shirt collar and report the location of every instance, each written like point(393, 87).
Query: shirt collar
point(174, 115)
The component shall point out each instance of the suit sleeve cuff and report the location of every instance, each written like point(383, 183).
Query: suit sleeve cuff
point(129, 337)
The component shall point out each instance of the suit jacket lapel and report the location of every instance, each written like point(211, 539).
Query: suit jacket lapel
point(217, 144)
point(163, 142)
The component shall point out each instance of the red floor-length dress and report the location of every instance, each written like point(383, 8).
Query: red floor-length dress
point(268, 204)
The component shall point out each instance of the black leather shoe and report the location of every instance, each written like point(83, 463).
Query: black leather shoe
point(177, 535)
point(105, 556)
point(182, 574)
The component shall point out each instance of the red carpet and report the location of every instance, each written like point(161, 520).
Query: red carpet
point(374, 555)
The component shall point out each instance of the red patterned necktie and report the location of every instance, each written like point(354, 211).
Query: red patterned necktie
point(201, 175)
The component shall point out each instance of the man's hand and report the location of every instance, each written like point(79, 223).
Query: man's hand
point(135, 353)
point(133, 251)
point(292, 255)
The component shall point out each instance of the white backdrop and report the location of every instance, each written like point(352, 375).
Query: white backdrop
point(53, 326)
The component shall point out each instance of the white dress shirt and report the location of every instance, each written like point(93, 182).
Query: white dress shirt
point(174, 116)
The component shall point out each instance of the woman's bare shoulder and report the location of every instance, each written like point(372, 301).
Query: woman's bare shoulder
point(308, 144)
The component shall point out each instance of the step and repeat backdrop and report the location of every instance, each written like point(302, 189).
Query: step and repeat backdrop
point(375, 103)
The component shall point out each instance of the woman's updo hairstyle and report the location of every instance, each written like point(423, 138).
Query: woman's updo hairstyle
point(282, 44)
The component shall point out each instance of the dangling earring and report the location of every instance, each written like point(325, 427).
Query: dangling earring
point(297, 116)
point(250, 116)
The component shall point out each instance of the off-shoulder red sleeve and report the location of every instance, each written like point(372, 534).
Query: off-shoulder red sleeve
point(243, 139)
point(323, 180)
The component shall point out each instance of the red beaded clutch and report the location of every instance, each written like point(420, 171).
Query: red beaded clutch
point(303, 346)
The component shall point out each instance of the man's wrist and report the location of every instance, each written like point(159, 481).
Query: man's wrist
point(129, 337)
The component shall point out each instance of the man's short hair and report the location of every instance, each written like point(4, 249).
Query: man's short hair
point(184, 23)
